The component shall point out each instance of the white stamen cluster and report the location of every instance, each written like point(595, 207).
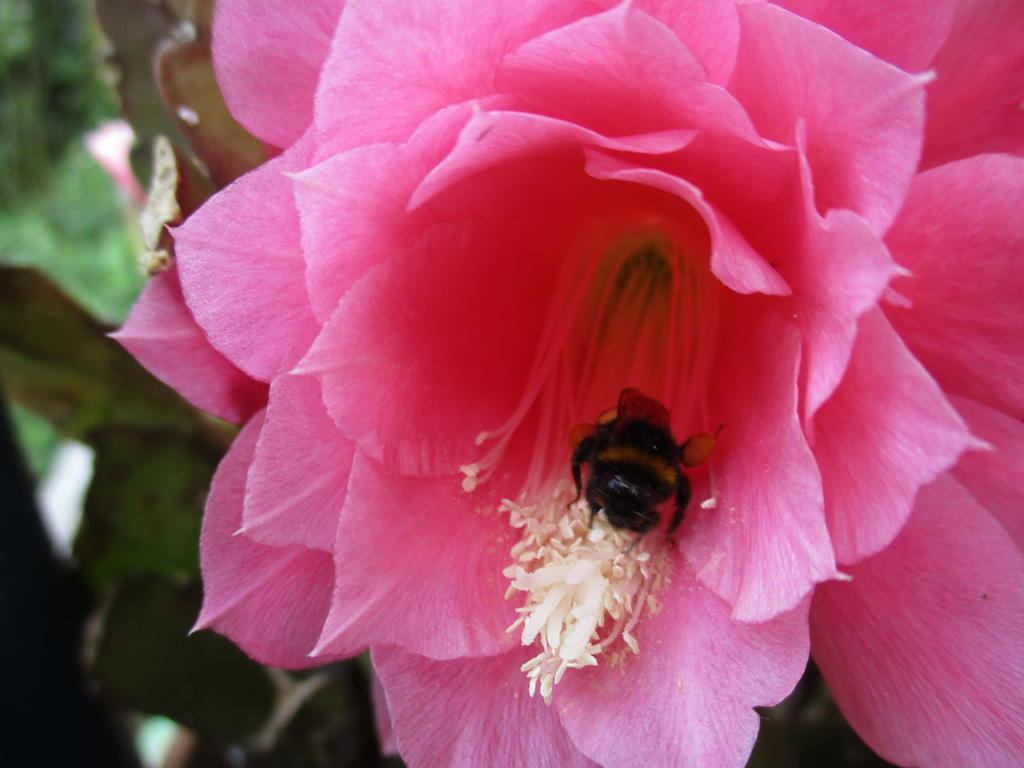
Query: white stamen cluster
point(585, 585)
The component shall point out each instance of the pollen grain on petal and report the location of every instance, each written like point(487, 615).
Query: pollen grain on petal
point(471, 477)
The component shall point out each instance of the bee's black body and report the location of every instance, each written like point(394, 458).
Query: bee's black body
point(633, 465)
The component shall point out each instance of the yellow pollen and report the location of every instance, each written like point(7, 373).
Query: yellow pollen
point(631, 455)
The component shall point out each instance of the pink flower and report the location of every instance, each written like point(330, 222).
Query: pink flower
point(489, 218)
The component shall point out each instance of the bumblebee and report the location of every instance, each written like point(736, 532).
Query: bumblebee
point(634, 463)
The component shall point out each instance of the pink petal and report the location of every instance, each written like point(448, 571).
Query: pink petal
point(886, 431)
point(353, 206)
point(419, 565)
point(974, 105)
point(497, 139)
point(244, 276)
point(993, 475)
point(839, 270)
point(619, 73)
point(433, 347)
point(733, 260)
point(687, 698)
point(961, 237)
point(864, 117)
point(393, 64)
point(907, 33)
point(922, 648)
point(751, 181)
point(110, 145)
point(382, 718)
point(835, 266)
point(762, 543)
point(271, 601)
point(299, 475)
point(847, 269)
point(469, 713)
point(709, 28)
point(267, 57)
point(162, 334)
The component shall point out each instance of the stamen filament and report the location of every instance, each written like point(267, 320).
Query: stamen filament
point(576, 576)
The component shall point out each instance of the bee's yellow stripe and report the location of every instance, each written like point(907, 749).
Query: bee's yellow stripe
point(628, 454)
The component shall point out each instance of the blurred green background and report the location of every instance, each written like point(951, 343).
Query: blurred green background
point(96, 627)
point(58, 209)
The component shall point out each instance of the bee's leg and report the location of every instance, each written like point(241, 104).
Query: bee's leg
point(682, 500)
point(635, 541)
point(579, 458)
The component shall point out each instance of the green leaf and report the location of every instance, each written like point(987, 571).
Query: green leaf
point(78, 231)
point(58, 361)
point(144, 508)
point(146, 659)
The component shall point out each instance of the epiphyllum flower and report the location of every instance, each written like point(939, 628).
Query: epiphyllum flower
point(486, 221)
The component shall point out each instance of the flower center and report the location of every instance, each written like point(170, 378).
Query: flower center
point(634, 308)
point(586, 586)
point(647, 320)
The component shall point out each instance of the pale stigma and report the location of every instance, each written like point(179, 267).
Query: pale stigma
point(585, 587)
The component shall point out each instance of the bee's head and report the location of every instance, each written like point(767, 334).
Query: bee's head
point(626, 504)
